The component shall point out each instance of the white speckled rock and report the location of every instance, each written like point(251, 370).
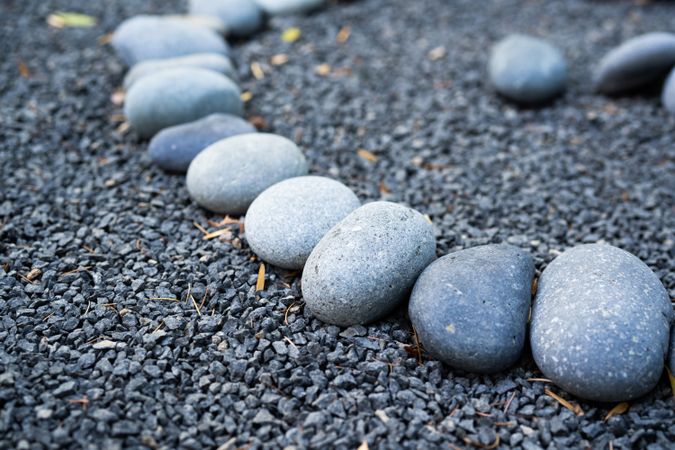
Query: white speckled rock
point(470, 308)
point(288, 7)
point(526, 69)
point(179, 95)
point(366, 265)
point(209, 61)
point(227, 176)
point(600, 324)
point(152, 37)
point(242, 17)
point(288, 219)
point(635, 63)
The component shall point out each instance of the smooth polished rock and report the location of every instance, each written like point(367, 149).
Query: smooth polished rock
point(209, 61)
point(242, 17)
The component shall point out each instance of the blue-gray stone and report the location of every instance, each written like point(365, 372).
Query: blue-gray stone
point(470, 308)
point(153, 37)
point(671, 353)
point(600, 324)
point(174, 148)
point(636, 63)
point(288, 219)
point(289, 7)
point(241, 17)
point(527, 70)
point(210, 22)
point(210, 61)
point(180, 95)
point(668, 93)
point(366, 265)
point(227, 176)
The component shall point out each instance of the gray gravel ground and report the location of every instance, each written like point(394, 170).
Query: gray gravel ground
point(88, 360)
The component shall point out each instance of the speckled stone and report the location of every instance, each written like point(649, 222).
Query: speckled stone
point(227, 176)
point(470, 308)
point(366, 265)
point(242, 17)
point(209, 61)
point(288, 219)
point(174, 148)
point(668, 93)
point(153, 37)
point(288, 7)
point(179, 95)
point(636, 63)
point(526, 69)
point(600, 324)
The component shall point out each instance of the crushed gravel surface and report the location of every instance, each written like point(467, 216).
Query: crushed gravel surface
point(91, 232)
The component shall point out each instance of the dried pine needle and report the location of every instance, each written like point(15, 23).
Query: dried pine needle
point(671, 377)
point(365, 154)
point(260, 284)
point(576, 409)
point(257, 71)
point(343, 35)
point(618, 409)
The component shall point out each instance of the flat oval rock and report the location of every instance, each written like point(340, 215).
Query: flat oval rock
point(174, 148)
point(527, 70)
point(288, 219)
point(470, 308)
point(180, 95)
point(636, 63)
point(212, 23)
point(209, 61)
point(241, 17)
point(289, 7)
point(600, 324)
point(227, 176)
point(153, 37)
point(366, 265)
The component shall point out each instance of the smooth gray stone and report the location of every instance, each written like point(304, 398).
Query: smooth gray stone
point(668, 93)
point(153, 37)
point(209, 61)
point(174, 148)
point(600, 324)
point(288, 219)
point(180, 95)
point(227, 176)
point(212, 23)
point(526, 69)
point(242, 17)
point(366, 265)
point(470, 308)
point(289, 7)
point(636, 63)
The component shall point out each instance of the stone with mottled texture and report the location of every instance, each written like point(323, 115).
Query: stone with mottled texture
point(470, 308)
point(600, 324)
point(288, 219)
point(366, 265)
point(241, 17)
point(209, 61)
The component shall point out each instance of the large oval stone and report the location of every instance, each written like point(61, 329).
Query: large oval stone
point(210, 61)
point(600, 324)
point(470, 308)
point(526, 69)
point(288, 219)
point(366, 265)
point(241, 17)
point(180, 95)
point(152, 37)
point(174, 148)
point(635, 63)
point(228, 175)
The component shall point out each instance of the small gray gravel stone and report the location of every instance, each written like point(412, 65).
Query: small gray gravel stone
point(228, 175)
point(175, 147)
point(241, 17)
point(180, 95)
point(210, 61)
point(526, 69)
point(600, 324)
point(152, 37)
point(289, 7)
point(288, 219)
point(635, 63)
point(470, 308)
point(366, 265)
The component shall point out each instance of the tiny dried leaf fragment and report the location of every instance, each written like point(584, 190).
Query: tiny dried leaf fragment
point(291, 34)
point(363, 446)
point(216, 234)
point(257, 71)
point(436, 53)
point(33, 274)
point(671, 377)
point(260, 284)
point(322, 69)
point(576, 409)
point(62, 19)
point(365, 154)
point(279, 59)
point(343, 35)
point(618, 409)
point(246, 96)
point(23, 69)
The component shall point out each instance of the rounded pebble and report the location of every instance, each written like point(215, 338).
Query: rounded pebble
point(600, 324)
point(179, 95)
point(289, 7)
point(210, 61)
point(227, 176)
point(526, 69)
point(151, 37)
point(288, 219)
point(241, 17)
point(212, 23)
point(366, 265)
point(470, 308)
point(668, 93)
point(174, 148)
